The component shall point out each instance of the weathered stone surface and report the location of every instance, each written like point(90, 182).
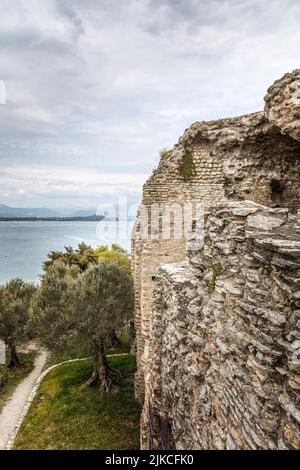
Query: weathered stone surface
point(262, 222)
point(222, 375)
point(218, 320)
point(283, 104)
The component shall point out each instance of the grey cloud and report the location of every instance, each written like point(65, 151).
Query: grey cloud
point(103, 85)
point(12, 40)
point(66, 8)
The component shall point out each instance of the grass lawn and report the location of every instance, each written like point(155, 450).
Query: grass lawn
point(67, 415)
point(15, 376)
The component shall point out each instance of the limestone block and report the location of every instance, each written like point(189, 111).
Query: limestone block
point(262, 222)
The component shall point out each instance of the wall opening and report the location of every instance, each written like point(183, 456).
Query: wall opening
point(277, 189)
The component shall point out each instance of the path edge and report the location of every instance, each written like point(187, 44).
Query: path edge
point(34, 391)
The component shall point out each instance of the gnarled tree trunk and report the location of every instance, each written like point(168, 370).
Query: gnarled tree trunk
point(114, 340)
point(101, 372)
point(95, 375)
point(104, 370)
point(14, 360)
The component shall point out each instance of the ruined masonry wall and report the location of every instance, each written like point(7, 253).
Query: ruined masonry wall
point(224, 370)
point(248, 158)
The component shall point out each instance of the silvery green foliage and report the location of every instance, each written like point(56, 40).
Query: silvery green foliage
point(104, 301)
point(15, 298)
point(52, 307)
point(79, 310)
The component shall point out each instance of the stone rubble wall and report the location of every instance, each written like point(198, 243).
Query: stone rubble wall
point(224, 368)
point(147, 257)
point(247, 158)
point(283, 104)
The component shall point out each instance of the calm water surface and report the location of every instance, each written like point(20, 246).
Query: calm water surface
point(25, 245)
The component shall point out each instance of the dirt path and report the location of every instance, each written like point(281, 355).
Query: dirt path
point(12, 411)
point(16, 409)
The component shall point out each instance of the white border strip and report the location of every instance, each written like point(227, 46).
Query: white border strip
point(33, 393)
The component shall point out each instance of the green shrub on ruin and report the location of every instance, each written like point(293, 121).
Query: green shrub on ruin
point(187, 168)
point(165, 152)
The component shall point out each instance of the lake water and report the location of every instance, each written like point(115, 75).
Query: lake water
point(25, 245)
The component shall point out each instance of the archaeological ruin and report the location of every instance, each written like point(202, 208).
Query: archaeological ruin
point(216, 263)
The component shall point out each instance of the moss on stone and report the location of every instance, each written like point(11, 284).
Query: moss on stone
point(216, 272)
point(187, 167)
point(162, 306)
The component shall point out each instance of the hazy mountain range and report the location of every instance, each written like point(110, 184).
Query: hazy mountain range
point(13, 212)
point(7, 212)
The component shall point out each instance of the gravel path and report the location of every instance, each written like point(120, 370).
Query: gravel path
point(16, 409)
point(12, 411)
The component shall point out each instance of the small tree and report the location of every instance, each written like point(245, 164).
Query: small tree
point(104, 301)
point(79, 311)
point(15, 298)
point(84, 255)
point(81, 257)
point(116, 254)
point(52, 316)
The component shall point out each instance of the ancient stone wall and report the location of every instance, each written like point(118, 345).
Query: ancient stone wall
point(249, 158)
point(224, 368)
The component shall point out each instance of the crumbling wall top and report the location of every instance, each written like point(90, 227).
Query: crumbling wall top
point(283, 104)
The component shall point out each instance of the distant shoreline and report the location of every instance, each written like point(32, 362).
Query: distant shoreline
point(89, 218)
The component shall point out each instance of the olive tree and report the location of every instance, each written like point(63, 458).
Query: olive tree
point(52, 314)
point(15, 298)
point(104, 301)
point(79, 310)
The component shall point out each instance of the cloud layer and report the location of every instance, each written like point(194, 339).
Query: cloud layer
point(96, 88)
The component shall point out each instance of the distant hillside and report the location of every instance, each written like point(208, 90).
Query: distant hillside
point(42, 213)
point(82, 213)
point(12, 212)
point(88, 218)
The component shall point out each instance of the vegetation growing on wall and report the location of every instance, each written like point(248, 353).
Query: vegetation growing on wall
point(187, 168)
point(162, 306)
point(216, 271)
point(165, 152)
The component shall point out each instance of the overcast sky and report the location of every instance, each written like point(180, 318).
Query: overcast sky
point(95, 88)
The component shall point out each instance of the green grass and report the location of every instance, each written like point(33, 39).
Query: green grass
point(68, 415)
point(15, 376)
